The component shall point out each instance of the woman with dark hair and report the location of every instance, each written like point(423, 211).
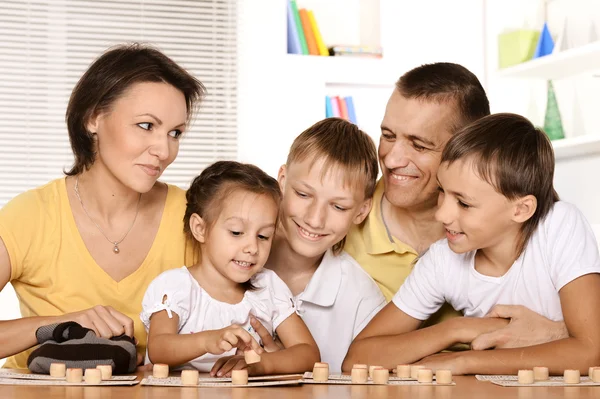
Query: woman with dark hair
point(84, 247)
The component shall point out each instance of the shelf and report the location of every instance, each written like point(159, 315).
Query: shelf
point(560, 65)
point(577, 146)
point(353, 71)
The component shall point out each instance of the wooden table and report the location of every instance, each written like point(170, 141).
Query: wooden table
point(466, 387)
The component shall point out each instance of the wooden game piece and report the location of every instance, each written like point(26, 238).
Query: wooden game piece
point(540, 374)
point(443, 376)
point(239, 377)
point(93, 376)
point(572, 377)
point(58, 370)
point(424, 375)
point(251, 357)
point(321, 372)
point(74, 375)
point(381, 376)
point(160, 370)
point(525, 377)
point(591, 371)
point(105, 370)
point(595, 377)
point(414, 370)
point(359, 374)
point(189, 377)
point(403, 371)
point(371, 368)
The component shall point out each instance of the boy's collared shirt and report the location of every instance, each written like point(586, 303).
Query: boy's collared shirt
point(338, 302)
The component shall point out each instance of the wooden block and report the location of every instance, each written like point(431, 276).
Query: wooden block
point(251, 357)
point(58, 370)
point(371, 368)
point(105, 370)
point(189, 377)
point(595, 377)
point(540, 374)
point(525, 377)
point(572, 377)
point(591, 371)
point(160, 370)
point(403, 371)
point(381, 376)
point(93, 376)
point(443, 376)
point(359, 374)
point(424, 375)
point(414, 370)
point(321, 372)
point(239, 377)
point(74, 375)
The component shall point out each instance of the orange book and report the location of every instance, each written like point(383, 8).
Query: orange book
point(308, 32)
point(343, 108)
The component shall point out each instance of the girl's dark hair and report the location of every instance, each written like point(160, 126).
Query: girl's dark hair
point(513, 156)
point(107, 79)
point(219, 180)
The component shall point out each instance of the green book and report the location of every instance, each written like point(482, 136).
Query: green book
point(301, 36)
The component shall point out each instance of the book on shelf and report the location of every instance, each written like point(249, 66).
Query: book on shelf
point(356, 51)
point(340, 107)
point(303, 30)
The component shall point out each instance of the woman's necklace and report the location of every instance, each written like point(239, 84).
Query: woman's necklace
point(115, 243)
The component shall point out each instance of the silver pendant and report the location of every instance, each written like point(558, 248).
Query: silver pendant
point(116, 249)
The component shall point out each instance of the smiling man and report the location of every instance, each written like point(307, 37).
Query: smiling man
point(429, 104)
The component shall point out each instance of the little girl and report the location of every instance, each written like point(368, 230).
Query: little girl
point(197, 317)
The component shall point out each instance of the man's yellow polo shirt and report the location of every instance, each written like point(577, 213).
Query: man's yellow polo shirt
point(387, 260)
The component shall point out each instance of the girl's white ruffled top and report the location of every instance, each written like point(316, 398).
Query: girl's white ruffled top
point(270, 303)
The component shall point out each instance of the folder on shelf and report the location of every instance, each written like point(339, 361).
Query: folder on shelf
point(308, 32)
point(317, 33)
point(328, 108)
point(342, 107)
point(335, 107)
point(299, 28)
point(293, 42)
point(350, 108)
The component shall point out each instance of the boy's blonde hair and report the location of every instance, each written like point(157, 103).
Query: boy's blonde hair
point(516, 158)
point(343, 147)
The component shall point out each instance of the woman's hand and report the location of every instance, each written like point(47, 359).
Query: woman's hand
point(269, 344)
point(220, 341)
point(105, 321)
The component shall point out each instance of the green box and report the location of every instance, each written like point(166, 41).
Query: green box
point(516, 47)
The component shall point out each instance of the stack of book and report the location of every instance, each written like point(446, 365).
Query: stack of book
point(303, 35)
point(341, 107)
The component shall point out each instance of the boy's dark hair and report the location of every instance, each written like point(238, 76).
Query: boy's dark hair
point(445, 82)
point(107, 79)
point(343, 146)
point(517, 159)
point(218, 181)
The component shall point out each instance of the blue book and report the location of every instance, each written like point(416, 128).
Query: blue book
point(545, 44)
point(328, 109)
point(351, 111)
point(293, 41)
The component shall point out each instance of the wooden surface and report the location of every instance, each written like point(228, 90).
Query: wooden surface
point(466, 387)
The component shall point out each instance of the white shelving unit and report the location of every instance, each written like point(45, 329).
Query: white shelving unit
point(565, 64)
point(558, 66)
point(577, 146)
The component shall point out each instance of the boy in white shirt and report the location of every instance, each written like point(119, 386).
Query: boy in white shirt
point(509, 241)
point(327, 183)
